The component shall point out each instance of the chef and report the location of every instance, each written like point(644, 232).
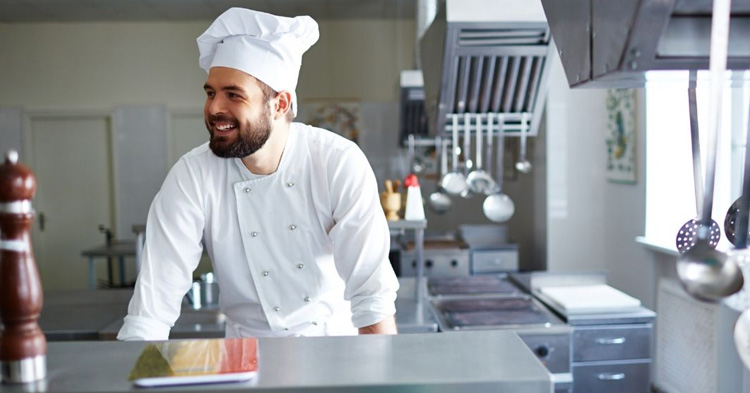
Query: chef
point(288, 213)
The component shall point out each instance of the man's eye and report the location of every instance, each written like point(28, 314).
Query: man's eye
point(210, 94)
point(233, 95)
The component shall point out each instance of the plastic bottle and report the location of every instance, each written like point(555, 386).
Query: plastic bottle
point(414, 206)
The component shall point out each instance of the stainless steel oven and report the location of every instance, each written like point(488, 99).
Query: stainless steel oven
point(493, 302)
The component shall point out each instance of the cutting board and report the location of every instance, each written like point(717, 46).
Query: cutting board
point(589, 299)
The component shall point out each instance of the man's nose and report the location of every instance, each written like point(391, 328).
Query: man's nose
point(216, 106)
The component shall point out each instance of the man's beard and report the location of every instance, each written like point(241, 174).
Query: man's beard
point(250, 136)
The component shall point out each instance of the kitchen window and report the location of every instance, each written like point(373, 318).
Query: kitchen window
point(670, 197)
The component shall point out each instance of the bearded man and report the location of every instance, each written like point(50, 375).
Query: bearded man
point(288, 213)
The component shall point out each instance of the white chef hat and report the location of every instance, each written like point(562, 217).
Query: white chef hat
point(266, 46)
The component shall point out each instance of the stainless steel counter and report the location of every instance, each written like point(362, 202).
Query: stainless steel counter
point(485, 361)
point(98, 314)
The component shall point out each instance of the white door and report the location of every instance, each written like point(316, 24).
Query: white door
point(186, 132)
point(71, 157)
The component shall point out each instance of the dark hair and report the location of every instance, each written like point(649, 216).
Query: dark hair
point(269, 93)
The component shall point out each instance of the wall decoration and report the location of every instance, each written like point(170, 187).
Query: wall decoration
point(339, 116)
point(621, 136)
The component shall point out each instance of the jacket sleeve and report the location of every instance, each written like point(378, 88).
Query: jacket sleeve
point(172, 251)
point(361, 238)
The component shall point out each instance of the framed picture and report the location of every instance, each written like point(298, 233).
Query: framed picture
point(621, 136)
point(339, 116)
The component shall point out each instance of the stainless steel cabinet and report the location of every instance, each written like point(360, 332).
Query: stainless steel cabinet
point(437, 263)
point(612, 358)
point(494, 260)
point(612, 377)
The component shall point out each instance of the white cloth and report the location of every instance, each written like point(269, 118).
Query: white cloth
point(266, 46)
point(303, 251)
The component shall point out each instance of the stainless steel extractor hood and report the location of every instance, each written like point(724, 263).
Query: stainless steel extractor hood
point(612, 43)
point(487, 56)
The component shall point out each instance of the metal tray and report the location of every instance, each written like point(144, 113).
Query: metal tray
point(496, 285)
point(491, 312)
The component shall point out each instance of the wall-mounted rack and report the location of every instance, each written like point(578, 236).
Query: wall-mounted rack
point(513, 124)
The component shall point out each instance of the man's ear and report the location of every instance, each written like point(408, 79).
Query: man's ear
point(283, 104)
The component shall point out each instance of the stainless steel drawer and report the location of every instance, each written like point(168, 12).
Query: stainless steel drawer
point(612, 342)
point(494, 261)
point(632, 377)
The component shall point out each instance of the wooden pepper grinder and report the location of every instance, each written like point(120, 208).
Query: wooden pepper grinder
point(23, 348)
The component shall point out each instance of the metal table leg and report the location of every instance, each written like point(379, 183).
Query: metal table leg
point(92, 273)
point(109, 272)
point(121, 263)
point(419, 245)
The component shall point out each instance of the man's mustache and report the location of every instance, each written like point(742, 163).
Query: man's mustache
point(221, 118)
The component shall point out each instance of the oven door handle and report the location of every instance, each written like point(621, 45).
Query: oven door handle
point(611, 376)
point(611, 341)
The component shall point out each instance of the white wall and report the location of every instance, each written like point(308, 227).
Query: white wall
point(105, 66)
point(134, 71)
point(114, 67)
point(593, 222)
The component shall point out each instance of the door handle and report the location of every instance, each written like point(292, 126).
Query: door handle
point(611, 341)
point(42, 221)
point(611, 377)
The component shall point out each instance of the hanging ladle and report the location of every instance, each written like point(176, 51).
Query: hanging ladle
point(468, 163)
point(688, 233)
point(741, 256)
point(454, 183)
point(439, 201)
point(704, 272)
point(498, 207)
point(478, 180)
point(523, 165)
point(734, 215)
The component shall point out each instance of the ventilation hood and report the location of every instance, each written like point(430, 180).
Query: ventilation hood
point(486, 56)
point(613, 43)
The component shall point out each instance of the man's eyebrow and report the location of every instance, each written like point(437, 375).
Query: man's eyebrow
point(225, 88)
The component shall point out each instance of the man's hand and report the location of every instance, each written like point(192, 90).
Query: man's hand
point(386, 326)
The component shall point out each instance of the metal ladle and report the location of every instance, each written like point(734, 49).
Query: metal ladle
point(523, 165)
point(439, 201)
point(737, 215)
point(705, 273)
point(478, 180)
point(688, 233)
point(468, 163)
point(454, 183)
point(498, 207)
point(742, 258)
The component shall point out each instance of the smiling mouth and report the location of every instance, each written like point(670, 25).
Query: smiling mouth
point(224, 127)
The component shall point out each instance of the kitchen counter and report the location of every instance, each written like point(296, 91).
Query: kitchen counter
point(483, 361)
point(98, 314)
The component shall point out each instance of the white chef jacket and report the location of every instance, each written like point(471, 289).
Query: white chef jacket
point(302, 251)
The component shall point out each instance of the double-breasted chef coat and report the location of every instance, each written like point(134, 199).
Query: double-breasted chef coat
point(302, 251)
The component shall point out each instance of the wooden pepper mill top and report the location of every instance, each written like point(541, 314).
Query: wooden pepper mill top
point(23, 347)
point(17, 182)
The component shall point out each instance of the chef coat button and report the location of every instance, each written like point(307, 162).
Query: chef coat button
point(292, 227)
point(300, 265)
point(290, 184)
point(266, 273)
point(277, 308)
point(254, 234)
point(315, 323)
point(307, 299)
point(286, 329)
point(247, 189)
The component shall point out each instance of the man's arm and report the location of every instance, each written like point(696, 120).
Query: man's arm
point(386, 326)
point(361, 241)
point(172, 251)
